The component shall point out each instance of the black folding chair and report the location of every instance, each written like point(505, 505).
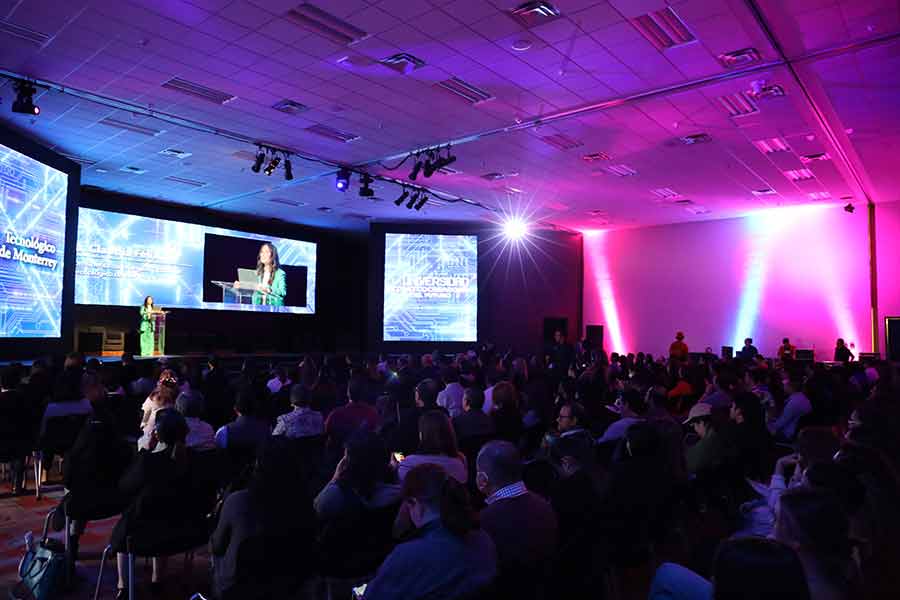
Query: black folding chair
point(59, 435)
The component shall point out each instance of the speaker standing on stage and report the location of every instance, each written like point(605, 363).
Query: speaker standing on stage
point(148, 326)
point(271, 287)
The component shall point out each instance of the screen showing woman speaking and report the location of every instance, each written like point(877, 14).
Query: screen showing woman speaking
point(122, 258)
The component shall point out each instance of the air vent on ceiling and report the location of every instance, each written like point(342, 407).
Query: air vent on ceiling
point(196, 90)
point(598, 212)
point(739, 58)
point(287, 202)
point(133, 170)
point(84, 162)
point(325, 24)
point(666, 193)
point(763, 192)
point(664, 29)
point(594, 156)
point(290, 107)
point(620, 170)
point(132, 127)
point(513, 190)
point(185, 181)
point(532, 14)
point(403, 62)
point(799, 175)
point(697, 210)
point(739, 104)
point(175, 153)
point(23, 33)
point(696, 138)
point(808, 158)
point(325, 209)
point(684, 202)
point(560, 141)
point(448, 171)
point(331, 133)
point(468, 92)
point(493, 176)
point(819, 195)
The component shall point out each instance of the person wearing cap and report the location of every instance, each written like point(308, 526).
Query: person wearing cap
point(707, 452)
point(678, 350)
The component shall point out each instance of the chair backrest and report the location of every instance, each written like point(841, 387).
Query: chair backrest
point(354, 546)
point(60, 433)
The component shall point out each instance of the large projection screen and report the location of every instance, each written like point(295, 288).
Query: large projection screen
point(430, 288)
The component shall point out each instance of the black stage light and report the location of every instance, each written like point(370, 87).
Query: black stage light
point(402, 197)
point(422, 201)
point(24, 102)
point(415, 170)
point(342, 180)
point(288, 170)
point(260, 158)
point(431, 165)
point(273, 164)
point(364, 181)
point(413, 199)
point(849, 208)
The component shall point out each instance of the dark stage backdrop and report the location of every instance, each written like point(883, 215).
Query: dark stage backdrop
point(338, 325)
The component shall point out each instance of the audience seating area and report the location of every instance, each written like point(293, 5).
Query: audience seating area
point(480, 475)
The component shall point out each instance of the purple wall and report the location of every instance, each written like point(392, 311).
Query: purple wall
point(800, 272)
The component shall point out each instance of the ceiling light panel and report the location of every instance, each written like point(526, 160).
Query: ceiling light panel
point(532, 14)
point(23, 33)
point(464, 90)
point(325, 24)
point(331, 133)
point(129, 126)
point(561, 141)
point(197, 90)
point(620, 170)
point(740, 104)
point(664, 29)
point(797, 175)
point(772, 145)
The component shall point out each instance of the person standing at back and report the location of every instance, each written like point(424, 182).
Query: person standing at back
point(678, 350)
point(786, 350)
point(841, 352)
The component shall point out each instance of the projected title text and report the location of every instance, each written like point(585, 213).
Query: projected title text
point(29, 250)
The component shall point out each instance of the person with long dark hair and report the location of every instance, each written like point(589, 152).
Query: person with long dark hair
point(148, 326)
point(447, 556)
point(437, 445)
point(271, 287)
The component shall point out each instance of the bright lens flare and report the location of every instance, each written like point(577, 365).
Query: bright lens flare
point(515, 229)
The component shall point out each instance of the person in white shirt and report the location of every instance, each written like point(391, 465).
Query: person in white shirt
point(451, 397)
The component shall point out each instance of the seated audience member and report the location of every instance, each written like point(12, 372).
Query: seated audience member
point(159, 483)
point(631, 411)
point(506, 413)
point(572, 421)
point(93, 466)
point(403, 435)
point(796, 406)
point(246, 432)
point(575, 496)
point(163, 396)
point(708, 452)
point(473, 422)
point(200, 433)
point(279, 381)
point(437, 445)
point(362, 480)
point(301, 422)
point(786, 350)
point(721, 393)
point(16, 427)
point(451, 397)
point(814, 523)
point(744, 568)
point(67, 401)
point(491, 379)
point(759, 385)
point(814, 445)
point(275, 508)
point(746, 435)
point(522, 524)
point(448, 556)
point(354, 416)
point(748, 352)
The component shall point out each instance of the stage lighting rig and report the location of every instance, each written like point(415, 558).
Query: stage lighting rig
point(416, 168)
point(273, 164)
point(288, 169)
point(24, 102)
point(431, 164)
point(260, 158)
point(849, 208)
point(342, 180)
point(422, 200)
point(365, 181)
point(402, 197)
point(413, 199)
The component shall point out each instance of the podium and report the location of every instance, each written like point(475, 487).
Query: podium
point(232, 294)
point(159, 333)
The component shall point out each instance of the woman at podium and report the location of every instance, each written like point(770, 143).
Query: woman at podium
point(148, 326)
point(271, 286)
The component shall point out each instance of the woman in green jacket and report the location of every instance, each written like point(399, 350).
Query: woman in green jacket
point(147, 326)
point(271, 286)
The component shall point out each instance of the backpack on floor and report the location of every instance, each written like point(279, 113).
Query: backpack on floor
point(41, 570)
